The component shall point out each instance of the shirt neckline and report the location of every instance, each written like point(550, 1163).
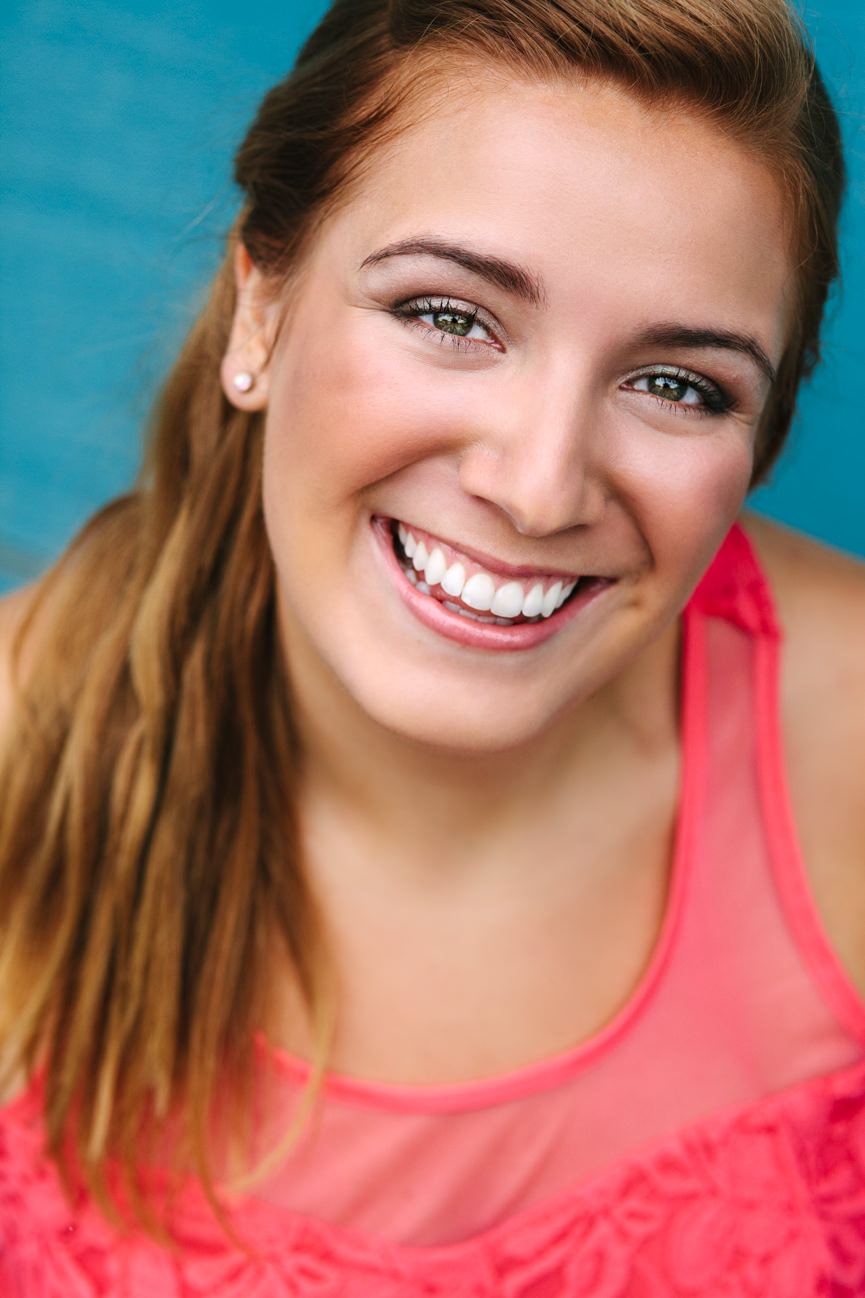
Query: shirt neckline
point(556, 1069)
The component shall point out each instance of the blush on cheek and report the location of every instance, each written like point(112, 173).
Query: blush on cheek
point(698, 489)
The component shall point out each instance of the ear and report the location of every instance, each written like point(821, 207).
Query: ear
point(245, 366)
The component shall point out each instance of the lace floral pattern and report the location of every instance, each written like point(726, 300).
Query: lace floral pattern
point(767, 1201)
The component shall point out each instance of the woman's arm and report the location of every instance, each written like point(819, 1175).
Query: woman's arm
point(820, 597)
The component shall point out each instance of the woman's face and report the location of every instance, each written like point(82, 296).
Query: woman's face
point(532, 352)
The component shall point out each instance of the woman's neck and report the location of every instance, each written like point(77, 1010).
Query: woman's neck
point(466, 886)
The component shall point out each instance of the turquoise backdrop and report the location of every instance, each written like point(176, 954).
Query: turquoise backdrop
point(119, 121)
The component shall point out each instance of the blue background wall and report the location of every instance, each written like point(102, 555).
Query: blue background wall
point(119, 121)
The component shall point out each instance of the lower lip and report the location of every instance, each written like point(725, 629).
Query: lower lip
point(464, 630)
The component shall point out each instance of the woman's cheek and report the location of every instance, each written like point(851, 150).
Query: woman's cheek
point(693, 485)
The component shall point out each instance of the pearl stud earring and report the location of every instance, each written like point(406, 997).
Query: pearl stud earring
point(243, 381)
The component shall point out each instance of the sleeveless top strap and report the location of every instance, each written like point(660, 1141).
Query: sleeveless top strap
point(736, 589)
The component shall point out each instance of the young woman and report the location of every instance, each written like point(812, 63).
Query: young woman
point(399, 883)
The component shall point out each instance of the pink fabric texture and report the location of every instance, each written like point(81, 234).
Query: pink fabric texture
point(710, 1140)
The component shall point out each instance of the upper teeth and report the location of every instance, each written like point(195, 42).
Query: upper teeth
point(481, 591)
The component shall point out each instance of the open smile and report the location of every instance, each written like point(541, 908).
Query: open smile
point(495, 607)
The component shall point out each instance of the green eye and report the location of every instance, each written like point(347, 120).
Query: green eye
point(449, 323)
point(668, 387)
point(453, 322)
point(693, 393)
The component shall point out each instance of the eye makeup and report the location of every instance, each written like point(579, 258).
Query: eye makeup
point(669, 380)
point(451, 321)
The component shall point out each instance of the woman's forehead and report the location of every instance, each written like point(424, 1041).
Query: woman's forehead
point(487, 131)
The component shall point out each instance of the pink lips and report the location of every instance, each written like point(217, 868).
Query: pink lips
point(465, 631)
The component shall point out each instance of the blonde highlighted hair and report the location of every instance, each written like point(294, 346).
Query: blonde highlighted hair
point(149, 850)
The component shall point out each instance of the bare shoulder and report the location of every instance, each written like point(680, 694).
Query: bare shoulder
point(820, 599)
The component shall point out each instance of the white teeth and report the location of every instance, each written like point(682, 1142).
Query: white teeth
point(454, 579)
point(508, 600)
point(416, 581)
point(533, 602)
point(436, 566)
point(476, 617)
point(478, 592)
point(551, 600)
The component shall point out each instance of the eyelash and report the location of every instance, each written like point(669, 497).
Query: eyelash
point(715, 401)
point(410, 311)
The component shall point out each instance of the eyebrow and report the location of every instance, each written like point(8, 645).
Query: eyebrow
point(515, 279)
point(676, 335)
point(504, 274)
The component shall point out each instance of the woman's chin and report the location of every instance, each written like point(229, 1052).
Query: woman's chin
point(455, 718)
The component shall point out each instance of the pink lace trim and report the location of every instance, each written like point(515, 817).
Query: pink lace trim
point(767, 1201)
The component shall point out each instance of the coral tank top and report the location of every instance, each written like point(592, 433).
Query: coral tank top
point(709, 1141)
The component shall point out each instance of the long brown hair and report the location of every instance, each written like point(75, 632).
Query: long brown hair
point(149, 853)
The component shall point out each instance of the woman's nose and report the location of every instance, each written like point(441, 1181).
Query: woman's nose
point(541, 461)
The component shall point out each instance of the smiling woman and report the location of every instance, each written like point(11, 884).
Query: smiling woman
point(399, 882)
point(547, 423)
